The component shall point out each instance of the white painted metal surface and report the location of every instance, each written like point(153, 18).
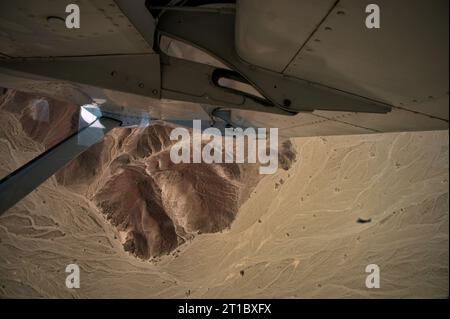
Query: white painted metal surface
point(269, 33)
point(25, 30)
point(404, 63)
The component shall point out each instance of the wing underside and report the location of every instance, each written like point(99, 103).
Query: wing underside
point(314, 65)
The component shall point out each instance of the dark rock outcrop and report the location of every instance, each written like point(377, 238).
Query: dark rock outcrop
point(154, 204)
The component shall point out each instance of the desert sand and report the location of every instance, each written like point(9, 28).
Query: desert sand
point(296, 235)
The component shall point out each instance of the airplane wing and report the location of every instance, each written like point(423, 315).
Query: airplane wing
point(307, 67)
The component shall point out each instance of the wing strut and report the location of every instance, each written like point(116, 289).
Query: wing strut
point(21, 182)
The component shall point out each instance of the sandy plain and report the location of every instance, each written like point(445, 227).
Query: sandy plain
point(297, 235)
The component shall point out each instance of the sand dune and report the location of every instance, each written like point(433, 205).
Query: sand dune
point(297, 235)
